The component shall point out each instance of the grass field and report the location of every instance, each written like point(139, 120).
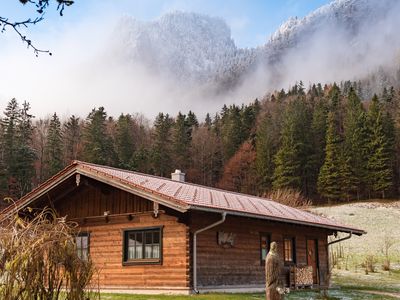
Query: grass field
point(380, 220)
point(349, 280)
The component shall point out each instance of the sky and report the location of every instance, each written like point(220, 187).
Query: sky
point(71, 81)
point(251, 21)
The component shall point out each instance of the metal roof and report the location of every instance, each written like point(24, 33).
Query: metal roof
point(185, 196)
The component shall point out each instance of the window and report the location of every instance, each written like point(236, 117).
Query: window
point(82, 245)
point(265, 242)
point(289, 250)
point(142, 246)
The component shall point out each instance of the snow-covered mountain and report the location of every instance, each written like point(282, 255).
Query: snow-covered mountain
point(346, 39)
point(190, 47)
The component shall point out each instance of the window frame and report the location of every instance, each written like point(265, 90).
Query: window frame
point(141, 261)
point(293, 245)
point(80, 249)
point(267, 235)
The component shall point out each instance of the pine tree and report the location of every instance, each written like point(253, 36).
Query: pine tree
point(249, 115)
point(72, 139)
point(161, 152)
point(318, 135)
point(380, 172)
point(97, 144)
point(124, 140)
point(182, 136)
point(265, 153)
point(355, 143)
point(292, 160)
point(12, 117)
point(329, 179)
point(25, 154)
point(9, 125)
point(287, 172)
point(53, 148)
point(231, 131)
point(208, 121)
point(192, 120)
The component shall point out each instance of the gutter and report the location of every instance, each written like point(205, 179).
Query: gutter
point(223, 217)
point(342, 239)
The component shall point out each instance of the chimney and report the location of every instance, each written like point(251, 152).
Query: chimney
point(178, 176)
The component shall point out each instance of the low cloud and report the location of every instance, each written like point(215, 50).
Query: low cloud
point(86, 72)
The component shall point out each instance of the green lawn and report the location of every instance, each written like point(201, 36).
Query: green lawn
point(339, 294)
point(345, 286)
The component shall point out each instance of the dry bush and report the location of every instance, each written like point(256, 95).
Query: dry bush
point(369, 264)
point(388, 243)
point(289, 197)
point(38, 259)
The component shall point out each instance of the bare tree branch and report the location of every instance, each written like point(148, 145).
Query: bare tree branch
point(41, 6)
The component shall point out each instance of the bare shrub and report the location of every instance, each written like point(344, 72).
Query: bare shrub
point(38, 259)
point(388, 243)
point(369, 264)
point(289, 197)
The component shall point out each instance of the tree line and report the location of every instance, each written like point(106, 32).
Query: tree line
point(323, 141)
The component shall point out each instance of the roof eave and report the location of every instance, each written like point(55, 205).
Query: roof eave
point(38, 192)
point(256, 216)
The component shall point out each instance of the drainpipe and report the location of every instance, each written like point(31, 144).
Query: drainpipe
point(195, 248)
point(342, 239)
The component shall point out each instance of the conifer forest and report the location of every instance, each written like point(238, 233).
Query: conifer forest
point(328, 142)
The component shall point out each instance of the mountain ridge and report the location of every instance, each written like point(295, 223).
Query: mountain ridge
point(197, 50)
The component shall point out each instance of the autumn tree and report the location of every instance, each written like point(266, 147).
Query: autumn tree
point(239, 171)
point(39, 141)
point(206, 157)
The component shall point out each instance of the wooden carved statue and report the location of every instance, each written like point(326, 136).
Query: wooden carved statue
point(273, 270)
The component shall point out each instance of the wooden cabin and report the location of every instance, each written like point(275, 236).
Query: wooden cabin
point(149, 234)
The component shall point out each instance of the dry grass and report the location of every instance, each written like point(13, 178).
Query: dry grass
point(289, 197)
point(38, 259)
point(380, 247)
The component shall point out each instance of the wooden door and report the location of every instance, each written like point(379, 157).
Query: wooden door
point(312, 258)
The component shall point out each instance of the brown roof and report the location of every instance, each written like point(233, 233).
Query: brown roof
point(184, 196)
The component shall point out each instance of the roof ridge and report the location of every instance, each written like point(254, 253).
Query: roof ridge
point(181, 182)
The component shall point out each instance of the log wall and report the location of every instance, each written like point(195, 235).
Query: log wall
point(241, 265)
point(106, 238)
point(106, 249)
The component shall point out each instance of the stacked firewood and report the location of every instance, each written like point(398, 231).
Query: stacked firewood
point(304, 276)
